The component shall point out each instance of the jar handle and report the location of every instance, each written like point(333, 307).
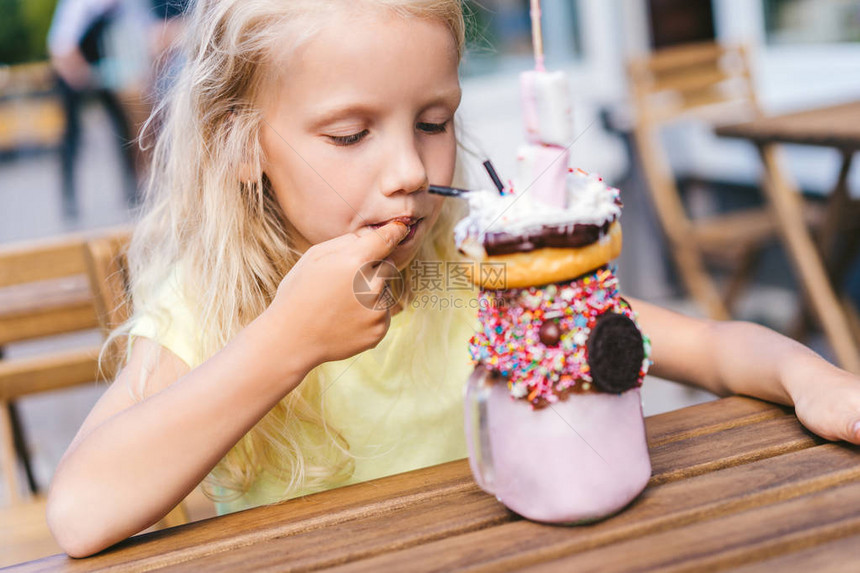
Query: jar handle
point(477, 433)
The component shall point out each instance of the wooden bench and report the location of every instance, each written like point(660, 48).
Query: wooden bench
point(52, 287)
point(31, 113)
point(44, 291)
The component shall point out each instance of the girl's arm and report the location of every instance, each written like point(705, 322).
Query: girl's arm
point(744, 358)
point(131, 462)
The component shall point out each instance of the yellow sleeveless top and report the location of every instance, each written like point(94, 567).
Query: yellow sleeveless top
point(392, 421)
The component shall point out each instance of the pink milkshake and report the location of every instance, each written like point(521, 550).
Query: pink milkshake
point(553, 410)
point(554, 414)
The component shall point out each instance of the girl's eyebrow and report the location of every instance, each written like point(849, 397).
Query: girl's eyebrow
point(357, 109)
point(340, 112)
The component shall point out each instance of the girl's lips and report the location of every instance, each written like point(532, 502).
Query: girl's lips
point(411, 233)
point(410, 222)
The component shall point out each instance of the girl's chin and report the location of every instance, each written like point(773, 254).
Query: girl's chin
point(403, 256)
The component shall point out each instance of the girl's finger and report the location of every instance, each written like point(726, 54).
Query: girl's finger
point(378, 243)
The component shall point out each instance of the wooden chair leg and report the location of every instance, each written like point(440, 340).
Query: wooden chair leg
point(741, 276)
point(837, 205)
point(21, 446)
point(8, 459)
point(785, 201)
point(853, 317)
point(701, 287)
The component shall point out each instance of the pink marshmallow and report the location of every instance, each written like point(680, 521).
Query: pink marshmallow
point(542, 173)
point(546, 107)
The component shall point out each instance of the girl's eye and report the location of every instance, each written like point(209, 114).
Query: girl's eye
point(348, 139)
point(433, 127)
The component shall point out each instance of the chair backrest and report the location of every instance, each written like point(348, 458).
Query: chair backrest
point(44, 291)
point(107, 267)
point(709, 82)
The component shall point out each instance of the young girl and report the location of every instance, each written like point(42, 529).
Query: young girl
point(296, 150)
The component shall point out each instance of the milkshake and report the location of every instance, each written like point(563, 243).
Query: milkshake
point(553, 409)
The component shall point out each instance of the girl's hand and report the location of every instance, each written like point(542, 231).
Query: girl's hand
point(828, 404)
point(316, 302)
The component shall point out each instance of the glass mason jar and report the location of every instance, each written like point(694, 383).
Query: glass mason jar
point(580, 460)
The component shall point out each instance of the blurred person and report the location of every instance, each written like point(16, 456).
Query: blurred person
point(76, 46)
point(169, 18)
point(109, 49)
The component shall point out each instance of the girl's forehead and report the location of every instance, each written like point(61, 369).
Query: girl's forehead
point(379, 54)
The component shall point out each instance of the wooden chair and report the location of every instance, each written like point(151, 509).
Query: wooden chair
point(73, 284)
point(44, 291)
point(713, 83)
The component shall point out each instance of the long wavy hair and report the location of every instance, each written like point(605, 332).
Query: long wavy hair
point(223, 234)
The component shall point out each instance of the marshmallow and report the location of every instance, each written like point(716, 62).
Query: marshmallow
point(546, 107)
point(542, 173)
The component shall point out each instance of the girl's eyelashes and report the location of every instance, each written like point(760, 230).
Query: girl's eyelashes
point(354, 138)
point(433, 127)
point(348, 139)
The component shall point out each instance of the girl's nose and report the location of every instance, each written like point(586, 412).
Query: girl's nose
point(404, 170)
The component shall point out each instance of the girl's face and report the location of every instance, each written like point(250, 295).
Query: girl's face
point(360, 123)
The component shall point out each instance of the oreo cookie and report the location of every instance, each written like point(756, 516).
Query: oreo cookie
point(615, 353)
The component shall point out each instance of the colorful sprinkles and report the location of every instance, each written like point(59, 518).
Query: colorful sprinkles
point(536, 337)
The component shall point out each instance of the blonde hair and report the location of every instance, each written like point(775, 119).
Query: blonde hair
point(225, 235)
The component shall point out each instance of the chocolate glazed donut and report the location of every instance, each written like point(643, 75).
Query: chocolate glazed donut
point(615, 353)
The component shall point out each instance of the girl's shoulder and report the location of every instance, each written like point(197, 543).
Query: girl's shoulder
point(164, 315)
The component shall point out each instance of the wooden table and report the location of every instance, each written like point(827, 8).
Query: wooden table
point(736, 482)
point(835, 127)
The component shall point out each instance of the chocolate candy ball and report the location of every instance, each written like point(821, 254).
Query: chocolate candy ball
point(550, 333)
point(615, 353)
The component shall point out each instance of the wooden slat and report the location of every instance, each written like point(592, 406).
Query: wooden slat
point(747, 226)
point(838, 556)
point(732, 540)
point(327, 509)
point(707, 418)
point(46, 259)
point(690, 80)
point(733, 446)
point(49, 321)
point(665, 508)
point(399, 494)
point(683, 56)
point(836, 126)
point(106, 267)
point(31, 298)
point(24, 376)
point(41, 262)
point(453, 515)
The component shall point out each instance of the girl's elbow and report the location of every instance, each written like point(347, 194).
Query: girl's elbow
point(72, 526)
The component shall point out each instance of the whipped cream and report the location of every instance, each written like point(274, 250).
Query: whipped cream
point(590, 201)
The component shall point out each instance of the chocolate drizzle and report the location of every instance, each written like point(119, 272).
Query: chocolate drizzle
point(559, 236)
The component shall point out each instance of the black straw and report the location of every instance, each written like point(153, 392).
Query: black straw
point(447, 191)
point(488, 165)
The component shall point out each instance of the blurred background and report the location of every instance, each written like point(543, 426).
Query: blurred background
point(79, 77)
